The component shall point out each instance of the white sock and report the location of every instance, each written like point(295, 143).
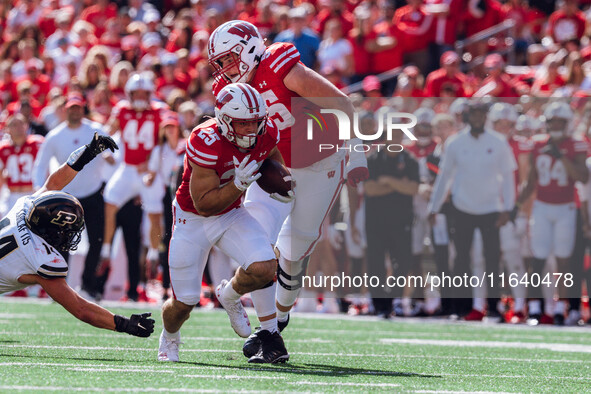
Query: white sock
point(282, 316)
point(479, 304)
point(288, 297)
point(519, 305)
point(171, 335)
point(270, 325)
point(229, 293)
point(549, 306)
point(535, 307)
point(264, 301)
point(559, 307)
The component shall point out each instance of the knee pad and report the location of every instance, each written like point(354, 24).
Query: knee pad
point(298, 266)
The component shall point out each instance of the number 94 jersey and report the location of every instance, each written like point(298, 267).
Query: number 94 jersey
point(23, 252)
point(554, 185)
point(207, 148)
point(139, 130)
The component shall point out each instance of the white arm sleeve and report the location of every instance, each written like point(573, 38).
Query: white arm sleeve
point(444, 179)
point(154, 161)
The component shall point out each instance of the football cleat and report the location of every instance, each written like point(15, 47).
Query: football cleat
point(236, 313)
point(558, 319)
point(272, 349)
point(282, 324)
point(253, 344)
point(474, 315)
point(168, 349)
point(546, 319)
point(512, 317)
point(573, 318)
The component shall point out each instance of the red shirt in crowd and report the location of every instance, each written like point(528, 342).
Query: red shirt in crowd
point(389, 58)
point(98, 18)
point(492, 16)
point(563, 27)
point(439, 80)
point(446, 27)
point(345, 17)
point(415, 26)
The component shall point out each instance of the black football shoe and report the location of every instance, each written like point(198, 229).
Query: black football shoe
point(272, 349)
point(282, 324)
point(252, 345)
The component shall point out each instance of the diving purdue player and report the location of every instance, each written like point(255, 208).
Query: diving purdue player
point(41, 225)
point(238, 54)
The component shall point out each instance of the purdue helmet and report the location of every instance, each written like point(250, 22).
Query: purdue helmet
point(58, 218)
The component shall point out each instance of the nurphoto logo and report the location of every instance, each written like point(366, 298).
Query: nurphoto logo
point(387, 122)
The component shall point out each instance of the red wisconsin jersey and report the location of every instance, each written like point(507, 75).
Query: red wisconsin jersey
point(277, 61)
point(554, 185)
point(16, 162)
point(421, 151)
point(139, 130)
point(207, 148)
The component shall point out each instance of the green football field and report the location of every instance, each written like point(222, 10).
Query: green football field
point(43, 348)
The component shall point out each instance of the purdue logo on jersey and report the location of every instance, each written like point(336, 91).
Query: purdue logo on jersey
point(64, 218)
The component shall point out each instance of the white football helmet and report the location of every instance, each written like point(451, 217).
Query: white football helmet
point(558, 110)
point(424, 115)
point(240, 102)
point(502, 111)
point(139, 82)
point(243, 42)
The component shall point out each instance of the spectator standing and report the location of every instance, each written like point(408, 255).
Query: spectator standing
point(335, 52)
point(302, 37)
point(416, 33)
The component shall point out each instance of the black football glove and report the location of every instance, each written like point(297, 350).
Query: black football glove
point(136, 325)
point(84, 155)
point(513, 213)
point(552, 150)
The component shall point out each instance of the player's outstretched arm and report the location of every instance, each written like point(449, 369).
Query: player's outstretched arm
point(76, 162)
point(59, 291)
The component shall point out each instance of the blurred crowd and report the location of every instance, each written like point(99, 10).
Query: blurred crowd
point(56, 55)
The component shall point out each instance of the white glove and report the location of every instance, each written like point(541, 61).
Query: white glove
point(245, 173)
point(284, 199)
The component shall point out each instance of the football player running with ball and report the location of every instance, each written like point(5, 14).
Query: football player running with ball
point(41, 225)
point(238, 54)
point(222, 158)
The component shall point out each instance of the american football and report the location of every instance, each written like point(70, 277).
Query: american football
point(275, 178)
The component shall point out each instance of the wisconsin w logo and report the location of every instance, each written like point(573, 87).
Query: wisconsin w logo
point(243, 30)
point(64, 218)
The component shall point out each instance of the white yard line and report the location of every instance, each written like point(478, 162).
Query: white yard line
point(171, 367)
point(570, 348)
point(124, 389)
point(555, 347)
